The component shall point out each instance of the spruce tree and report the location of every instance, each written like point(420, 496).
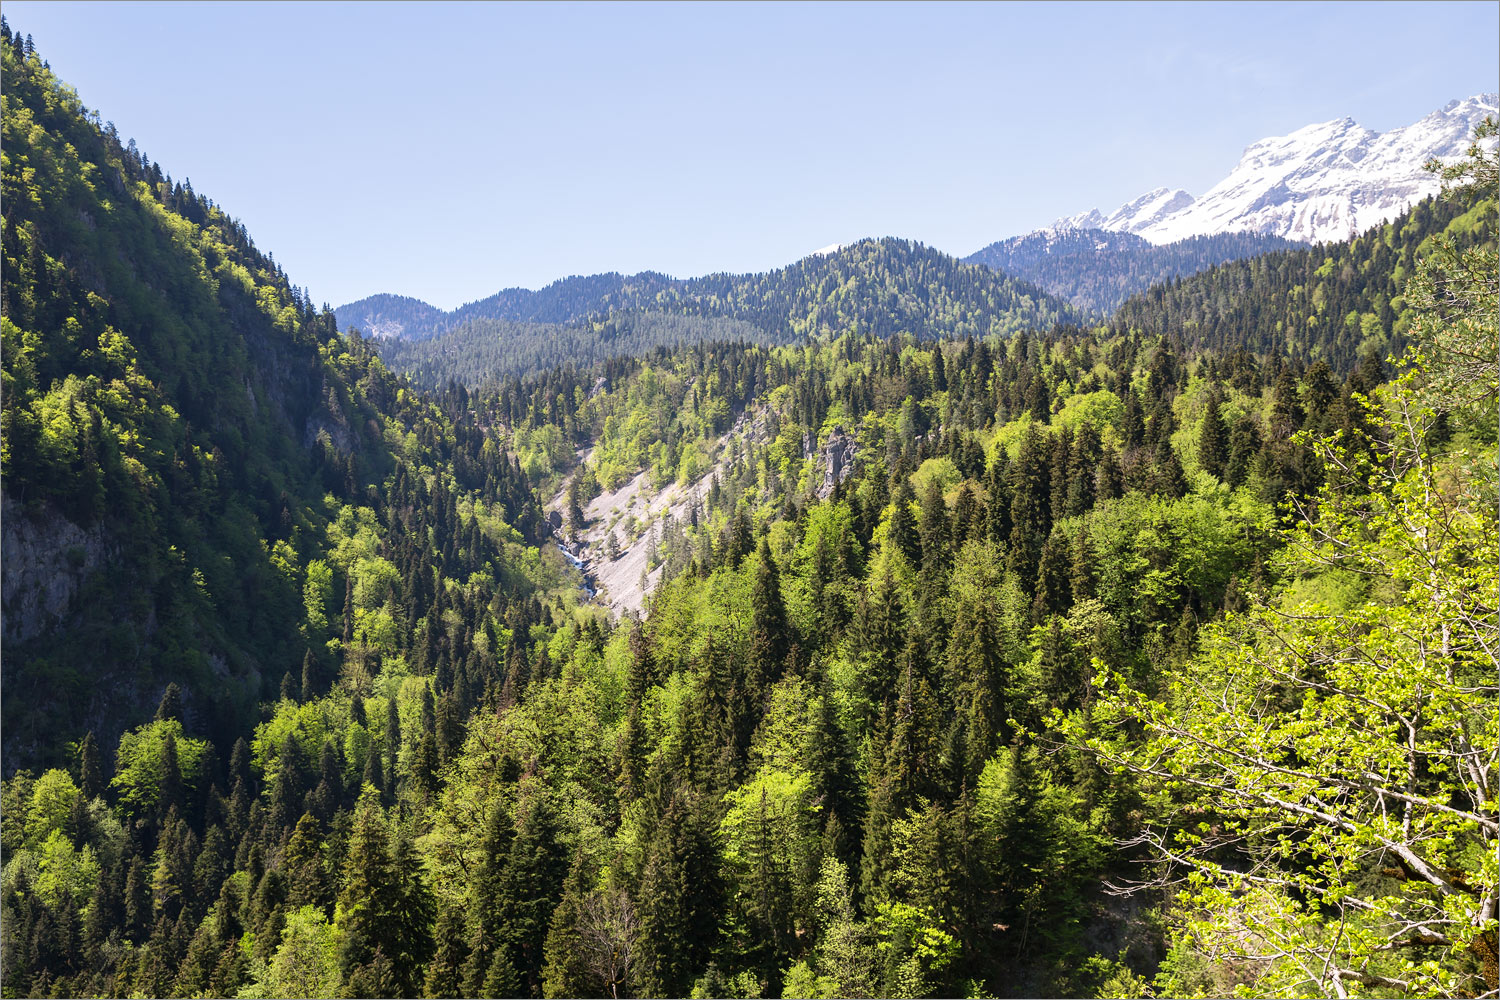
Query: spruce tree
point(307, 879)
point(445, 972)
point(90, 769)
point(1213, 439)
point(1030, 507)
point(902, 531)
point(1053, 593)
point(768, 627)
point(309, 688)
point(170, 706)
point(367, 893)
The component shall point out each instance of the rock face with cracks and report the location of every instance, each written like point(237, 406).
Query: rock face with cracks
point(836, 458)
point(46, 559)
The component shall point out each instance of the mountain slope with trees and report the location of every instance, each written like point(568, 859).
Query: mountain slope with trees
point(887, 731)
point(1335, 302)
point(185, 427)
point(1096, 269)
point(884, 286)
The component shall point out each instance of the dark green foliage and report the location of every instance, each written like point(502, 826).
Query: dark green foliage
point(584, 320)
point(1096, 270)
point(171, 395)
point(1333, 302)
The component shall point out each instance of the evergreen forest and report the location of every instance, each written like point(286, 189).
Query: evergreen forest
point(994, 646)
point(1096, 270)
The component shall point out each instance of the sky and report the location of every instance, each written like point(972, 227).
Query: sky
point(448, 151)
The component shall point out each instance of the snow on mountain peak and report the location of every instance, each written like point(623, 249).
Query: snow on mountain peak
point(1145, 211)
point(1324, 181)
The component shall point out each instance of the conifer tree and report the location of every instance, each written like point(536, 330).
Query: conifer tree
point(367, 893)
point(1213, 439)
point(309, 688)
point(90, 769)
point(485, 891)
point(1030, 507)
point(171, 797)
point(768, 628)
point(902, 532)
point(445, 972)
point(529, 888)
point(307, 879)
point(1168, 479)
point(170, 706)
point(565, 972)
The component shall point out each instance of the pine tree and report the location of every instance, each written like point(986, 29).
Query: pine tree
point(1244, 445)
point(902, 531)
point(374, 772)
point(307, 879)
point(1053, 590)
point(392, 743)
point(171, 796)
point(933, 528)
point(1168, 479)
point(1030, 517)
point(1081, 579)
point(997, 483)
point(485, 890)
point(367, 894)
point(409, 923)
point(882, 639)
point(975, 668)
point(678, 900)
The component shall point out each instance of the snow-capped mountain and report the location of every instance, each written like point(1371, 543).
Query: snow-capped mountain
point(1323, 182)
point(1148, 210)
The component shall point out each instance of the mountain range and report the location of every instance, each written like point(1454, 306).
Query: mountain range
point(881, 286)
point(1326, 181)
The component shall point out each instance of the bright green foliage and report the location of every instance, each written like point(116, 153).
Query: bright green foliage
point(306, 963)
point(910, 532)
point(155, 759)
point(1324, 771)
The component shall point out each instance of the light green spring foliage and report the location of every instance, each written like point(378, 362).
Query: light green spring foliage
point(306, 963)
point(1325, 771)
point(142, 761)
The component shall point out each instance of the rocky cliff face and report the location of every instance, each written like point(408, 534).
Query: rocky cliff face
point(836, 458)
point(47, 558)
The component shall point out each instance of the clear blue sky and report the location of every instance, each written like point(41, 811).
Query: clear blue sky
point(449, 151)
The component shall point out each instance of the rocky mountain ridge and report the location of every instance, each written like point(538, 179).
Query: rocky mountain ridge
point(1326, 181)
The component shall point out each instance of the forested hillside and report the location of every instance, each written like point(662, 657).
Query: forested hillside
point(1334, 302)
point(183, 424)
point(392, 316)
point(882, 287)
point(485, 350)
point(1103, 662)
point(1096, 269)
